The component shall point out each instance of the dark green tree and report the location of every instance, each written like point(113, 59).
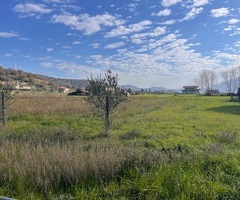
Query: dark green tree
point(105, 95)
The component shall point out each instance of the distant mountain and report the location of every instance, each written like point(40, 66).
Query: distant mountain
point(221, 87)
point(132, 87)
point(157, 89)
point(151, 89)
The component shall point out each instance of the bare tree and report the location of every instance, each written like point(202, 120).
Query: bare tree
point(238, 92)
point(231, 80)
point(105, 95)
point(6, 95)
point(238, 74)
point(199, 80)
point(206, 79)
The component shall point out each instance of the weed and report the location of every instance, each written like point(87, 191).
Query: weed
point(132, 134)
point(227, 137)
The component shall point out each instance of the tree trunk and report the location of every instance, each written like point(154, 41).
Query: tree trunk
point(231, 97)
point(4, 120)
point(107, 113)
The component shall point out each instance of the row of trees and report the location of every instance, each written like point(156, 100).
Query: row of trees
point(206, 79)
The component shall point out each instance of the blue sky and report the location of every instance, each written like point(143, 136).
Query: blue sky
point(147, 43)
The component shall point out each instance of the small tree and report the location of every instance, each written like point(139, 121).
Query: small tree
point(6, 95)
point(105, 95)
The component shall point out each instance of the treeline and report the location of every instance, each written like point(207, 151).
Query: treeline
point(207, 79)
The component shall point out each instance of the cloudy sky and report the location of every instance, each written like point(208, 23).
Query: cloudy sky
point(146, 42)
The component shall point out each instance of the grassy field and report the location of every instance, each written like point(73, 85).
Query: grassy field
point(161, 147)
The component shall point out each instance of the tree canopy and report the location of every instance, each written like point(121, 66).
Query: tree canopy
point(105, 95)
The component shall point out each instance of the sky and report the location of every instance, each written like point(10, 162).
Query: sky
point(148, 43)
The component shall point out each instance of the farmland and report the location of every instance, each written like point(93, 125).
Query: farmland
point(161, 147)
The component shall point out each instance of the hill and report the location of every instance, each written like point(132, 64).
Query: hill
point(37, 81)
point(72, 83)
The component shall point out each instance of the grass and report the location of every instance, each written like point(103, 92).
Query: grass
point(162, 147)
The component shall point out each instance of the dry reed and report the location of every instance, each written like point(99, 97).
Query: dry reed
point(57, 167)
point(49, 104)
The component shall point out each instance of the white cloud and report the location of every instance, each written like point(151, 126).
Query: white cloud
point(8, 55)
point(234, 59)
point(89, 25)
point(157, 31)
point(229, 28)
point(77, 56)
point(71, 34)
point(164, 57)
point(76, 43)
point(8, 35)
point(66, 47)
point(197, 3)
point(193, 13)
point(221, 12)
point(137, 38)
point(95, 45)
point(236, 32)
point(172, 58)
point(237, 44)
point(49, 49)
point(132, 28)
point(47, 64)
point(132, 7)
point(165, 12)
point(114, 45)
point(167, 3)
point(57, 1)
point(233, 21)
point(31, 9)
point(23, 39)
point(169, 22)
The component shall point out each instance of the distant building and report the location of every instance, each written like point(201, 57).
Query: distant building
point(190, 90)
point(63, 89)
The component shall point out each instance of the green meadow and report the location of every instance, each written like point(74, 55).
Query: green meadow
point(161, 147)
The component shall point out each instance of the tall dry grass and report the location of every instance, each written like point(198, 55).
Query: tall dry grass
point(48, 105)
point(48, 168)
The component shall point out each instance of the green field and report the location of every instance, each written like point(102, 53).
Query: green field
point(161, 147)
